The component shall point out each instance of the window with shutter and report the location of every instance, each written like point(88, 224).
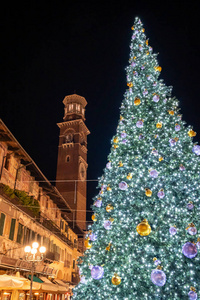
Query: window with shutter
point(19, 233)
point(12, 229)
point(2, 221)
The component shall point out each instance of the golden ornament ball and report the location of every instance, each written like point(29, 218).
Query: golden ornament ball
point(115, 146)
point(93, 218)
point(121, 118)
point(134, 57)
point(159, 125)
point(129, 176)
point(108, 247)
point(115, 140)
point(147, 42)
point(108, 188)
point(87, 244)
point(130, 84)
point(137, 101)
point(143, 30)
point(147, 53)
point(158, 68)
point(132, 27)
point(148, 192)
point(109, 208)
point(160, 158)
point(143, 228)
point(120, 164)
point(171, 112)
point(116, 279)
point(191, 133)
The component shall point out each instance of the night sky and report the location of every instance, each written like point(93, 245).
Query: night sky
point(50, 49)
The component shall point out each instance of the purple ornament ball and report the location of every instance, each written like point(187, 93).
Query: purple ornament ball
point(192, 230)
point(192, 295)
point(190, 206)
point(161, 194)
point(97, 272)
point(123, 185)
point(156, 98)
point(83, 280)
point(157, 262)
point(107, 224)
point(123, 135)
point(108, 165)
point(196, 149)
point(139, 124)
point(172, 142)
point(98, 203)
point(124, 141)
point(173, 230)
point(153, 173)
point(158, 277)
point(177, 127)
point(93, 237)
point(189, 250)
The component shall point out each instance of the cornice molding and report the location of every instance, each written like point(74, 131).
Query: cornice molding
point(73, 122)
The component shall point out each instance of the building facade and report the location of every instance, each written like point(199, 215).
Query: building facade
point(32, 209)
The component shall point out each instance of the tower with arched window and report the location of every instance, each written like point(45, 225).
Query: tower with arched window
point(72, 157)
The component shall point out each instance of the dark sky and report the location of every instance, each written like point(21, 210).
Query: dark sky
point(49, 49)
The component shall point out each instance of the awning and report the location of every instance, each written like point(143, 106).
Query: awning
point(7, 281)
point(48, 285)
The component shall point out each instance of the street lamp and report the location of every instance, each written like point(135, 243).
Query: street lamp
point(34, 255)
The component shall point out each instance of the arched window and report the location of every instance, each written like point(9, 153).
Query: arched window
point(67, 159)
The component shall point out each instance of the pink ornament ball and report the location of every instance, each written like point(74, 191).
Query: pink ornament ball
point(109, 165)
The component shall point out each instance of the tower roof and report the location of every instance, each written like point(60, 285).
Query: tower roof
point(74, 98)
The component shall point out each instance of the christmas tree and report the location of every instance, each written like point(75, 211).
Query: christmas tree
point(143, 243)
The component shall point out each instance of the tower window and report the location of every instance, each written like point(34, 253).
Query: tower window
point(67, 158)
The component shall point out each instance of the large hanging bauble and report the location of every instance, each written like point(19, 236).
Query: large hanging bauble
point(143, 228)
point(172, 142)
point(116, 279)
point(189, 250)
point(192, 295)
point(97, 272)
point(94, 218)
point(177, 127)
point(158, 277)
point(196, 149)
point(123, 185)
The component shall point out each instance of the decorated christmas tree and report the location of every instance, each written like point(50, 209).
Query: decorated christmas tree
point(144, 242)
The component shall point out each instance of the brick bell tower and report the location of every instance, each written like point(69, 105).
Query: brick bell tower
point(72, 157)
